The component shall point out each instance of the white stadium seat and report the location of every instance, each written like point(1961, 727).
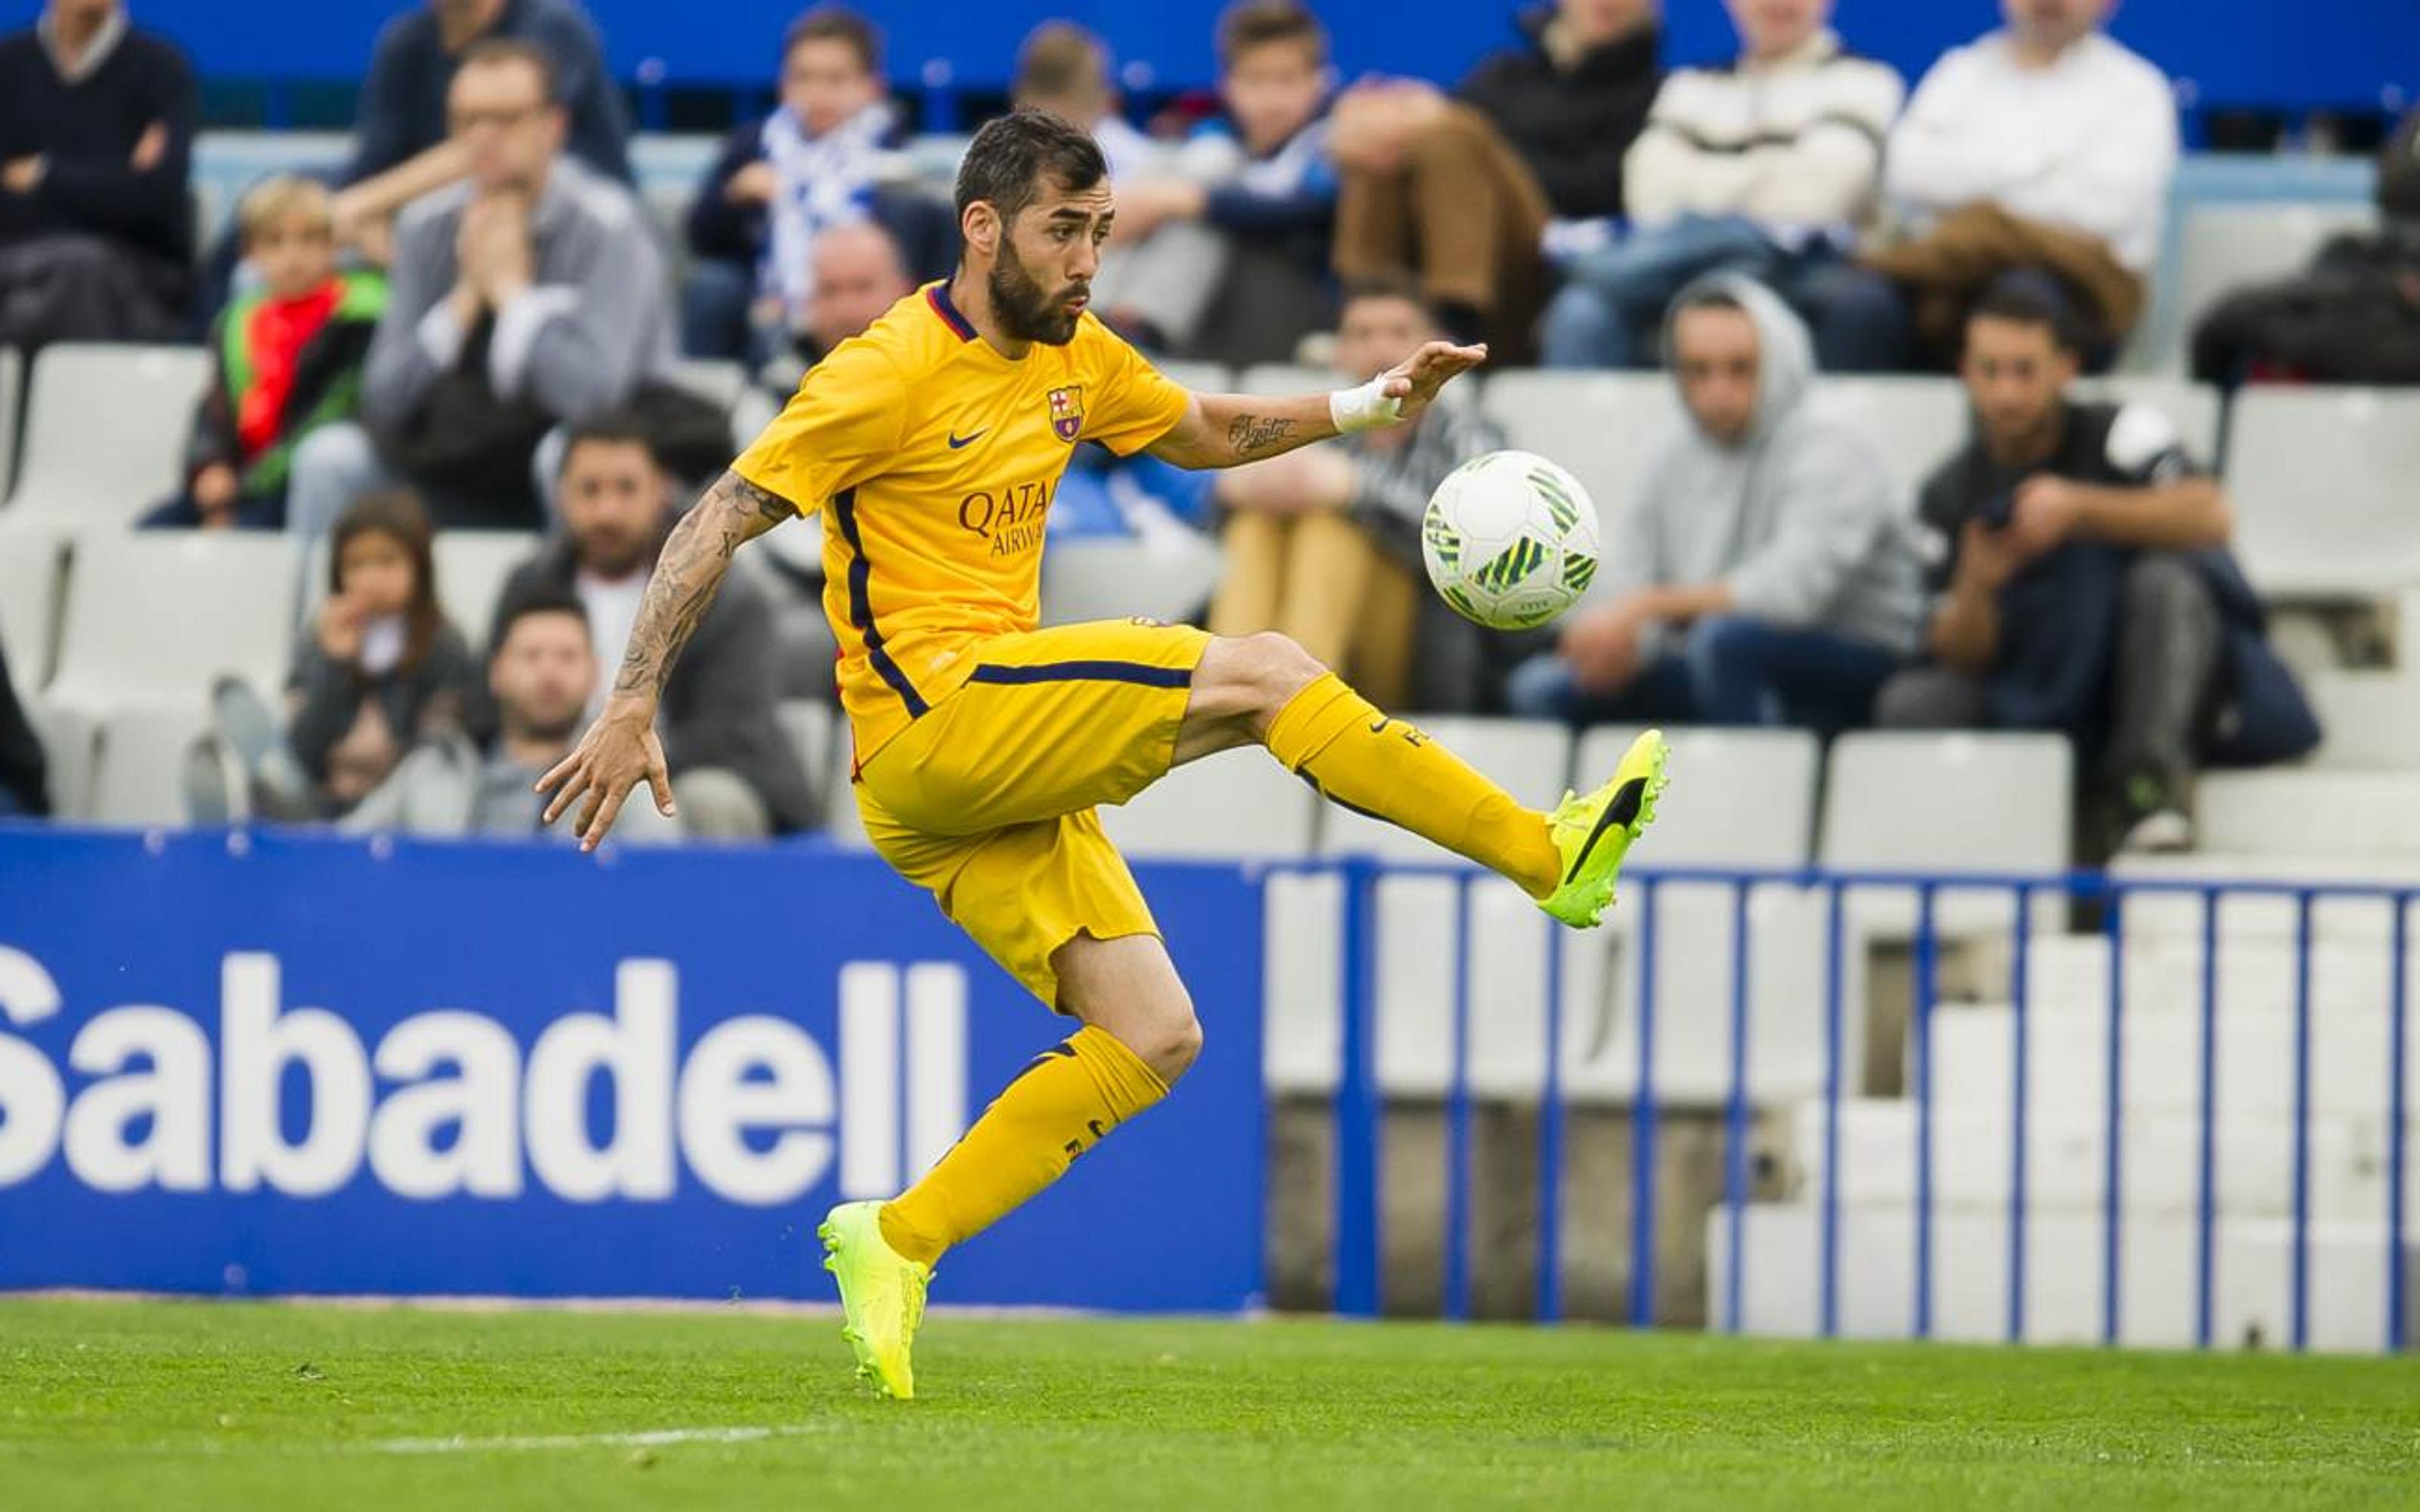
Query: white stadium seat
point(1167, 576)
point(1270, 378)
point(138, 770)
point(1737, 798)
point(807, 724)
point(1602, 427)
point(2217, 249)
point(2321, 479)
point(12, 388)
point(105, 431)
point(1913, 424)
point(2369, 721)
point(152, 618)
point(33, 561)
point(1202, 378)
point(1958, 801)
point(471, 569)
point(716, 383)
point(1236, 805)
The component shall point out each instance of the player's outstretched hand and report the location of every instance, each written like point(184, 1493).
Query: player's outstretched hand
point(619, 752)
point(1417, 379)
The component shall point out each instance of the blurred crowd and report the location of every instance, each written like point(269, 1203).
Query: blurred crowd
point(475, 325)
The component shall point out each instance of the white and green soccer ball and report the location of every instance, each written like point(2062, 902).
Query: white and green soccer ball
point(1510, 539)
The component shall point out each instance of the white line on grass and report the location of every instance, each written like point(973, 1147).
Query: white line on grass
point(652, 1439)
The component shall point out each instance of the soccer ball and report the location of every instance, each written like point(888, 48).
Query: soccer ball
point(1510, 539)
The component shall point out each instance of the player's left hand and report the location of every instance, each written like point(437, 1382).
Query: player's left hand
point(1417, 379)
point(619, 750)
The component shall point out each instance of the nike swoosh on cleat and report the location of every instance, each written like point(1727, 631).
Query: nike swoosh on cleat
point(1618, 813)
point(958, 441)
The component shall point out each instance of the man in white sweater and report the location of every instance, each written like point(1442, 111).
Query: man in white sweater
point(1769, 167)
point(2041, 151)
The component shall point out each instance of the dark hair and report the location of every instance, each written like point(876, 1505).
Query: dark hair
point(837, 23)
point(614, 427)
point(493, 50)
point(396, 514)
point(1059, 58)
point(1008, 161)
point(2023, 302)
point(1251, 24)
point(538, 598)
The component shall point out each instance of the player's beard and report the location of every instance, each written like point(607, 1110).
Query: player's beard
point(1023, 309)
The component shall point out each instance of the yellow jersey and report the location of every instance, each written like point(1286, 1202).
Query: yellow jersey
point(934, 460)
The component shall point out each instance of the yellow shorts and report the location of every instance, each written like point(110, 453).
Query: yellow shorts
point(986, 801)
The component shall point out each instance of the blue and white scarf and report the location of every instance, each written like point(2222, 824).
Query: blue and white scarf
point(825, 181)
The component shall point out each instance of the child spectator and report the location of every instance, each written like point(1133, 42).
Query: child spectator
point(815, 162)
point(1224, 253)
point(378, 670)
point(287, 361)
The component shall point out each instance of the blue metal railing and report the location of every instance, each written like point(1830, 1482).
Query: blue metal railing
point(1359, 1103)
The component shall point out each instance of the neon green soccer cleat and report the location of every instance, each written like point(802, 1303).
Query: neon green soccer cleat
point(1593, 834)
point(881, 1295)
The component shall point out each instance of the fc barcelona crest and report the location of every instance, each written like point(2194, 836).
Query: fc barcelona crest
point(1067, 413)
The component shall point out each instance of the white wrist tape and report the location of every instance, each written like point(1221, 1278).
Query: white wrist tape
point(1366, 408)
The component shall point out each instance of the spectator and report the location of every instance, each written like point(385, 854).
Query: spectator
point(2084, 587)
point(379, 671)
point(1764, 576)
point(406, 146)
point(1064, 70)
point(2354, 317)
point(95, 137)
point(1769, 167)
point(1462, 189)
point(858, 276)
point(287, 359)
point(542, 678)
point(1324, 544)
point(2042, 151)
point(1229, 252)
point(818, 161)
point(526, 296)
point(734, 776)
point(24, 786)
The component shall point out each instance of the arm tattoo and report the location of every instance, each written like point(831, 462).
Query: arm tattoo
point(687, 575)
point(1249, 435)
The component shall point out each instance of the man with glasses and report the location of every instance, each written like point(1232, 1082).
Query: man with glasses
point(526, 296)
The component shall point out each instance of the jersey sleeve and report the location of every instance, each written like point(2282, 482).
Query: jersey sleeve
point(1136, 405)
point(839, 429)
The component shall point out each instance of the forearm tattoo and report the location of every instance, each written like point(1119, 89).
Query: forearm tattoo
point(690, 573)
point(1251, 436)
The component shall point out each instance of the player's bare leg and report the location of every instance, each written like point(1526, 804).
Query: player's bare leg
point(1265, 689)
point(1138, 1036)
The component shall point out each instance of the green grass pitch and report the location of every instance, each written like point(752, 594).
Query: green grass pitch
point(204, 1405)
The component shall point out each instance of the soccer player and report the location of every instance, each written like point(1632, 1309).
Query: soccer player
point(932, 444)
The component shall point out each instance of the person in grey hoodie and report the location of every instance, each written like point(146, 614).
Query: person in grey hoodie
point(527, 295)
point(1765, 575)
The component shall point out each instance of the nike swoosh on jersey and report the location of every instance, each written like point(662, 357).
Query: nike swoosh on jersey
point(958, 441)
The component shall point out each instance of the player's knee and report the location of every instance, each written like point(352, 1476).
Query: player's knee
point(1175, 1046)
point(1274, 669)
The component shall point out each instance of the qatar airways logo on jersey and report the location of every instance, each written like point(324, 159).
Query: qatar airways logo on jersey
point(448, 1104)
point(1011, 519)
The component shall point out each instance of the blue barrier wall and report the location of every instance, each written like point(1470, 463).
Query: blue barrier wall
point(304, 1065)
point(2345, 53)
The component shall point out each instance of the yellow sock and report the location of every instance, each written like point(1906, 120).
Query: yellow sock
point(1053, 1111)
point(1363, 760)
